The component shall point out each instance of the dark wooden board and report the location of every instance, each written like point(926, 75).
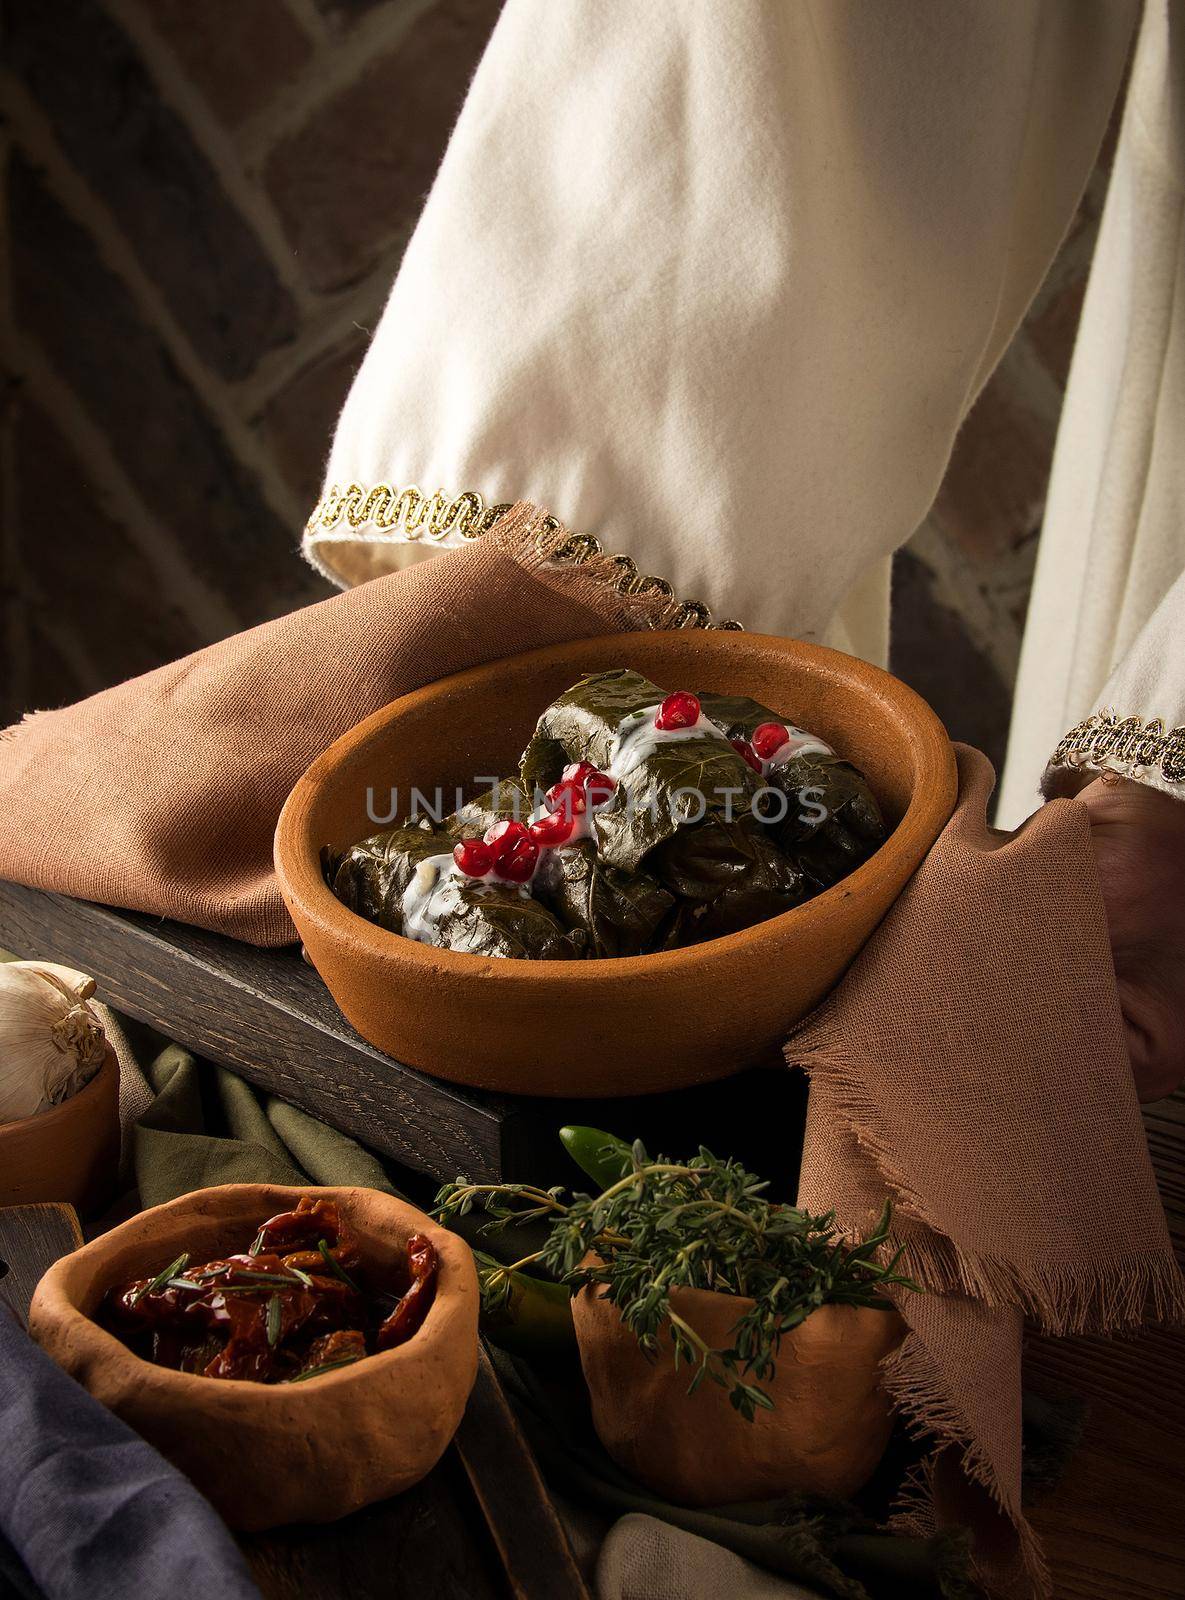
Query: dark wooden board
point(267, 1015)
point(480, 1526)
point(429, 1543)
point(507, 1484)
point(31, 1239)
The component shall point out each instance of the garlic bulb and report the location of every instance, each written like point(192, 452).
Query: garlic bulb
point(51, 1041)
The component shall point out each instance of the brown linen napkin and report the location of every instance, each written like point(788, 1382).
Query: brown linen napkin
point(972, 1066)
point(162, 794)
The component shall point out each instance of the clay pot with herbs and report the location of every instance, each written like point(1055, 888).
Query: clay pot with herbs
point(826, 1430)
point(732, 1346)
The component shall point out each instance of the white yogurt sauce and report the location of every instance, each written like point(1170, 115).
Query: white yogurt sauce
point(637, 738)
point(800, 743)
point(422, 901)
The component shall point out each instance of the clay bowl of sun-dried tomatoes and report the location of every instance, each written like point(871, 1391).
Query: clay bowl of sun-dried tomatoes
point(298, 1353)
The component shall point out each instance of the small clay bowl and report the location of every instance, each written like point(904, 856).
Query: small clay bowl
point(69, 1153)
point(635, 1025)
point(825, 1435)
point(267, 1454)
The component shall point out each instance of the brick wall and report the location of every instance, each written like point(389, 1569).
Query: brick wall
point(207, 200)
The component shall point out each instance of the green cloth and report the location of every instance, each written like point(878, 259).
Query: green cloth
point(206, 1126)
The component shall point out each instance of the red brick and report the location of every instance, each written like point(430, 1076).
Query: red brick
point(237, 52)
point(167, 443)
point(932, 651)
point(993, 494)
point(357, 173)
point(95, 584)
point(54, 679)
point(136, 153)
point(298, 422)
point(347, 11)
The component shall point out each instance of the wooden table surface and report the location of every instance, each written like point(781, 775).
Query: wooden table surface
point(1115, 1528)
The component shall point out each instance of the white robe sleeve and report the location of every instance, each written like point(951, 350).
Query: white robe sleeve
point(1104, 648)
point(1138, 727)
point(717, 283)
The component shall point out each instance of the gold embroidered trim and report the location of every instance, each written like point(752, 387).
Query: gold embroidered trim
point(436, 516)
point(1129, 745)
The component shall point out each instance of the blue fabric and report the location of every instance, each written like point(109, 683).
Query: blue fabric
point(92, 1510)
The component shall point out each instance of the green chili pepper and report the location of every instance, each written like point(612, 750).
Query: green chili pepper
point(603, 1156)
point(534, 1319)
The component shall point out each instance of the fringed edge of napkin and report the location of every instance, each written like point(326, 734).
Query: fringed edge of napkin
point(1108, 1298)
point(923, 1401)
point(1105, 1297)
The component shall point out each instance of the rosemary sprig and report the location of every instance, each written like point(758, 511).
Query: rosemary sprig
point(699, 1224)
point(233, 1288)
point(291, 1275)
point(275, 1320)
point(327, 1366)
point(335, 1266)
point(173, 1269)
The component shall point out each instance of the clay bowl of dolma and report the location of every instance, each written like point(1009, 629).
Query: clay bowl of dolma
point(272, 1453)
point(616, 1026)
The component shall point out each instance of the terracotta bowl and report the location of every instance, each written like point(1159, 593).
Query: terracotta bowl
point(624, 1026)
point(70, 1153)
point(827, 1432)
point(266, 1454)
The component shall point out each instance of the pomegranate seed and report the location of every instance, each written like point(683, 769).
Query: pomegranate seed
point(678, 710)
point(769, 737)
point(745, 750)
point(578, 772)
point(552, 830)
point(505, 832)
point(566, 796)
point(599, 786)
point(516, 862)
point(474, 857)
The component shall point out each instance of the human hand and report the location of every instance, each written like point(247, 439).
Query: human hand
point(1139, 841)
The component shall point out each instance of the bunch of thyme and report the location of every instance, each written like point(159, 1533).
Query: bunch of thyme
point(699, 1224)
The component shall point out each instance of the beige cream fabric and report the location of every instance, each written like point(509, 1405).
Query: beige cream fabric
point(645, 1559)
point(1107, 618)
point(718, 283)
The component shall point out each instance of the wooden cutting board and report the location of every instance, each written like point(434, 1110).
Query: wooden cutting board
point(31, 1239)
